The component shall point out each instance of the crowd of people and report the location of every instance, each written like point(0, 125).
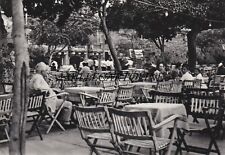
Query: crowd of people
point(156, 72)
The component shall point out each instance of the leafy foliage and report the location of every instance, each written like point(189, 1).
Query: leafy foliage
point(58, 10)
point(75, 31)
point(210, 42)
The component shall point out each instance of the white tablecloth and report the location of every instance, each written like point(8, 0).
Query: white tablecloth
point(74, 92)
point(161, 111)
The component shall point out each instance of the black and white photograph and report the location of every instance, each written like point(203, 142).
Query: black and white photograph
point(112, 77)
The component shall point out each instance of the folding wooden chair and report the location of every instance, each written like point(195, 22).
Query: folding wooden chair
point(207, 108)
point(148, 95)
point(124, 95)
point(164, 86)
point(167, 97)
point(107, 97)
point(53, 116)
point(87, 99)
point(5, 115)
point(108, 84)
point(187, 84)
point(35, 110)
point(94, 127)
point(137, 129)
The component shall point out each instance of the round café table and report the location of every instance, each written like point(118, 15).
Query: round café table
point(74, 92)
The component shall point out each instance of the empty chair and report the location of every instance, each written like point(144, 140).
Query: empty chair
point(87, 99)
point(207, 108)
point(148, 95)
point(5, 115)
point(124, 95)
point(164, 86)
point(166, 97)
point(191, 84)
point(94, 127)
point(137, 129)
point(187, 84)
point(107, 97)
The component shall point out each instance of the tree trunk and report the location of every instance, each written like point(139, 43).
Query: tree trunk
point(192, 56)
point(17, 132)
point(109, 42)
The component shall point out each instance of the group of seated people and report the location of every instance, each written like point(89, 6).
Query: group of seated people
point(38, 82)
point(165, 73)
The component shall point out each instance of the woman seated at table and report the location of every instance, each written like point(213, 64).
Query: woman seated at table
point(38, 83)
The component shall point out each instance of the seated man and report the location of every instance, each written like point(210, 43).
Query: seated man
point(38, 83)
point(187, 75)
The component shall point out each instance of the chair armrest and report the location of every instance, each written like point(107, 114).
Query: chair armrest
point(168, 120)
point(57, 90)
point(62, 94)
point(88, 95)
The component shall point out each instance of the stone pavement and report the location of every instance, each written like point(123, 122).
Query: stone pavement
point(69, 142)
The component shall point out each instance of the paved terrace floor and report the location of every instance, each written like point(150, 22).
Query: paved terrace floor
point(69, 142)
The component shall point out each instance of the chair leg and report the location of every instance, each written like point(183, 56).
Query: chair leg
point(35, 126)
point(181, 141)
point(92, 147)
point(213, 142)
point(54, 120)
point(7, 134)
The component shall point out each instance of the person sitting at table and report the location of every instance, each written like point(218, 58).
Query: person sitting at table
point(199, 76)
point(187, 75)
point(85, 71)
point(38, 83)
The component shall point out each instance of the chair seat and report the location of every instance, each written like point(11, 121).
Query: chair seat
point(32, 113)
point(103, 136)
point(198, 127)
point(162, 143)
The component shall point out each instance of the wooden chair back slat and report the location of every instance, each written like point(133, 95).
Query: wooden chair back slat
point(131, 124)
point(5, 105)
point(107, 96)
point(166, 97)
point(165, 86)
point(36, 101)
point(198, 102)
point(92, 119)
point(125, 93)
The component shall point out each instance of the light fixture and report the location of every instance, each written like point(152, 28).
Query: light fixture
point(210, 24)
point(166, 14)
point(60, 53)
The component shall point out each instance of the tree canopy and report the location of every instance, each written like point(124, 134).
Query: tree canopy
point(191, 14)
